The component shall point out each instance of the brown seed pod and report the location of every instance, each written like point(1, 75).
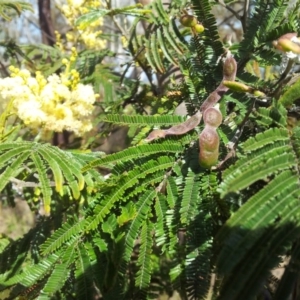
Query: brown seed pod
point(213, 117)
point(209, 139)
point(213, 98)
point(156, 134)
point(208, 159)
point(229, 68)
point(188, 21)
point(179, 129)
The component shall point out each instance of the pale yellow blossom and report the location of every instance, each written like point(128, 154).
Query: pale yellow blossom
point(88, 35)
point(49, 103)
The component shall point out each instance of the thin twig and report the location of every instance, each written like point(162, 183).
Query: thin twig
point(245, 15)
point(121, 29)
point(221, 2)
point(20, 183)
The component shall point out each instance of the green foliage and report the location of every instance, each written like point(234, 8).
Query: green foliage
point(7, 6)
point(64, 167)
point(157, 222)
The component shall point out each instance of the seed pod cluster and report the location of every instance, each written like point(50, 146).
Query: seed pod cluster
point(209, 139)
point(191, 22)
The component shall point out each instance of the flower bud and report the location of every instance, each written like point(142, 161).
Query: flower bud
point(188, 21)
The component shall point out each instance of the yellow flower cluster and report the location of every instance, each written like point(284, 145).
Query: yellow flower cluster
point(57, 103)
point(89, 35)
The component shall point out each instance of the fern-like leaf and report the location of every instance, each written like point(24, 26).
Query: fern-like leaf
point(84, 274)
point(61, 271)
point(126, 181)
point(144, 263)
point(261, 163)
point(143, 120)
point(142, 209)
point(190, 197)
point(134, 152)
point(69, 230)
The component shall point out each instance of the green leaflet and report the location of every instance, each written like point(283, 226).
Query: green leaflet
point(166, 120)
point(190, 198)
point(264, 138)
point(142, 209)
point(32, 274)
point(45, 182)
point(266, 211)
point(291, 95)
point(61, 271)
point(70, 229)
point(64, 166)
point(203, 12)
point(160, 226)
point(84, 273)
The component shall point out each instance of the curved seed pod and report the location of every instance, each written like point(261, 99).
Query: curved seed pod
point(186, 126)
point(179, 129)
point(213, 97)
point(188, 21)
point(213, 117)
point(156, 134)
point(238, 86)
point(229, 73)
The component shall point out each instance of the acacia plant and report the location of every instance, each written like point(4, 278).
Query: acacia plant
point(205, 204)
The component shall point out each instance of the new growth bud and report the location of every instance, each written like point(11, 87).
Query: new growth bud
point(237, 86)
point(288, 43)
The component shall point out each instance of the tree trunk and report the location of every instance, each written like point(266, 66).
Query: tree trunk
point(48, 37)
point(46, 24)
